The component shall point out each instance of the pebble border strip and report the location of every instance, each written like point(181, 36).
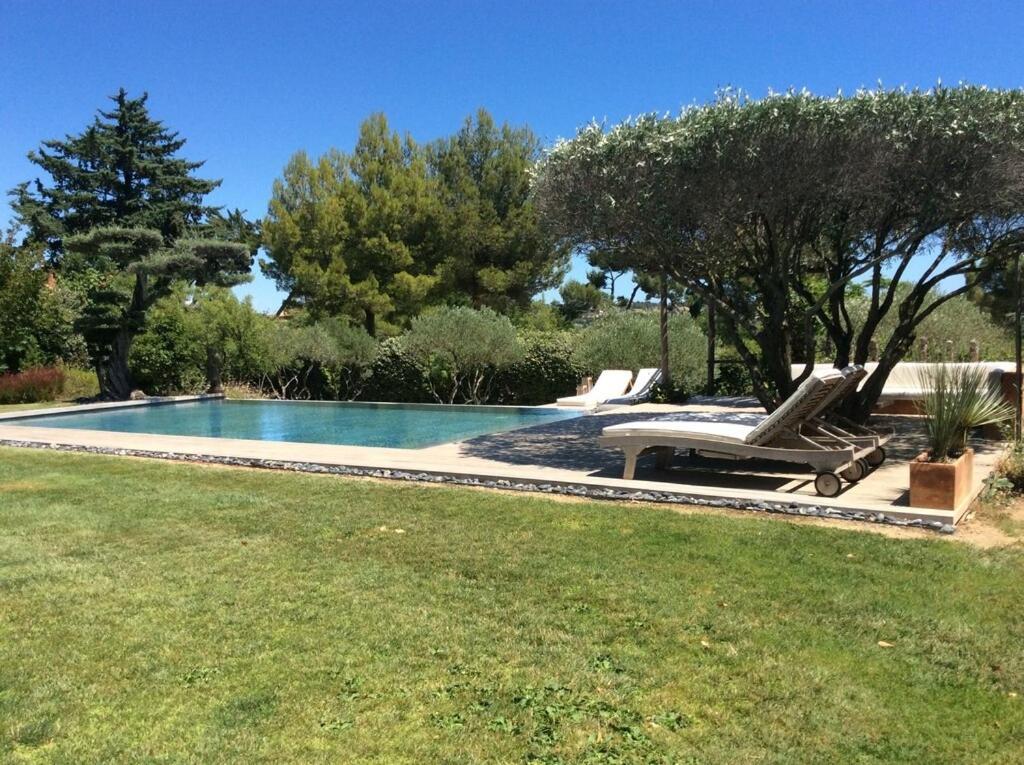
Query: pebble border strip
point(574, 490)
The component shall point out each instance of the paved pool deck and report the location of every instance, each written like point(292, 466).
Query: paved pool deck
point(562, 454)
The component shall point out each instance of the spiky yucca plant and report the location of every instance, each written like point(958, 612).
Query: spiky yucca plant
point(958, 398)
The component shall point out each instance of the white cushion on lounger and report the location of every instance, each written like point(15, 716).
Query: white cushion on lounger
point(730, 432)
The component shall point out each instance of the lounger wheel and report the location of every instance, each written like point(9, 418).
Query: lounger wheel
point(827, 484)
point(857, 470)
point(876, 458)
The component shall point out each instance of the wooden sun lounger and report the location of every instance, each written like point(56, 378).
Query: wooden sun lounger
point(781, 436)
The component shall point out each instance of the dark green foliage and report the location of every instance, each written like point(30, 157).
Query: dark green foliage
point(579, 299)
point(673, 392)
point(351, 235)
point(168, 356)
point(37, 311)
point(133, 270)
point(123, 170)
point(379, 234)
point(493, 251)
point(22, 281)
point(463, 351)
point(733, 379)
point(609, 266)
point(396, 376)
point(545, 372)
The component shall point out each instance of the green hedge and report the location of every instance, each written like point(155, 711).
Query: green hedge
point(396, 376)
point(632, 339)
point(330, 360)
point(546, 372)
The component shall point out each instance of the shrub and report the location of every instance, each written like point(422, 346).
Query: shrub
point(168, 356)
point(396, 376)
point(80, 383)
point(327, 360)
point(733, 379)
point(632, 339)
point(579, 299)
point(957, 321)
point(31, 386)
point(957, 399)
point(540, 317)
point(1007, 478)
point(673, 393)
point(544, 373)
point(233, 335)
point(462, 350)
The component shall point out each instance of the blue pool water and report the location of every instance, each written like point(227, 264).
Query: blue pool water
point(409, 426)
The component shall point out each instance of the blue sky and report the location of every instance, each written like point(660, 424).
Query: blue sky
point(249, 83)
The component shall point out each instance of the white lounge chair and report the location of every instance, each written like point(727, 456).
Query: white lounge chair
point(610, 383)
point(640, 391)
point(779, 436)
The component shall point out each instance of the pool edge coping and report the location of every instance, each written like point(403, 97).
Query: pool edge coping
point(936, 521)
point(107, 405)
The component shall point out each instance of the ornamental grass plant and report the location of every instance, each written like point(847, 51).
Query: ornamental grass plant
point(958, 398)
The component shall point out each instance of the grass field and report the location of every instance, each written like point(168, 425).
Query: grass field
point(154, 612)
point(25, 407)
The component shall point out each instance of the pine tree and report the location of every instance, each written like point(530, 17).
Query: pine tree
point(133, 268)
point(123, 211)
point(494, 252)
point(352, 235)
point(122, 170)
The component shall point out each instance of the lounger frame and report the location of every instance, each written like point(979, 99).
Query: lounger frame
point(831, 454)
point(795, 433)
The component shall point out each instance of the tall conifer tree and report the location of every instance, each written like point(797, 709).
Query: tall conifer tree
point(122, 170)
point(123, 209)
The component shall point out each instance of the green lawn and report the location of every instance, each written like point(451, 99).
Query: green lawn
point(154, 612)
point(38, 405)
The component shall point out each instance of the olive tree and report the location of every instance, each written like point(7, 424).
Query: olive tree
point(462, 350)
point(776, 211)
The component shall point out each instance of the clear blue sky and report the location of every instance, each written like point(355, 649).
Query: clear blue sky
point(249, 83)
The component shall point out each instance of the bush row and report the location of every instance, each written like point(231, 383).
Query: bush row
point(448, 355)
point(32, 385)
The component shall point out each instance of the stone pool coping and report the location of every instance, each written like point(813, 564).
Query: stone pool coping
point(446, 464)
point(585, 491)
point(79, 408)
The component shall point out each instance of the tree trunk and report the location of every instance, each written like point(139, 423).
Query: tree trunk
point(666, 377)
point(711, 349)
point(214, 366)
point(114, 376)
point(1018, 369)
point(370, 323)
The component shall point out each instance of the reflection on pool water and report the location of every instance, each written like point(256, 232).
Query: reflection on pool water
point(409, 426)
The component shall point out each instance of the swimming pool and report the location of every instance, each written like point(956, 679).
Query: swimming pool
point(408, 426)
